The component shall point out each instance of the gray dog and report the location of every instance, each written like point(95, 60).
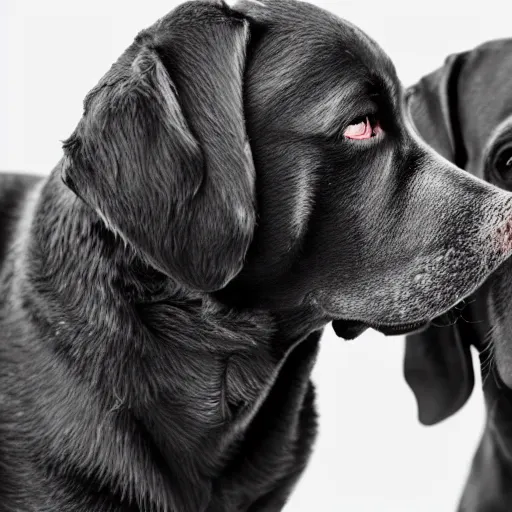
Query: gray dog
point(240, 178)
point(464, 109)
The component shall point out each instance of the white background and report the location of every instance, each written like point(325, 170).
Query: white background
point(371, 454)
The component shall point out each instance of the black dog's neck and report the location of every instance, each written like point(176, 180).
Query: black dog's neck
point(183, 374)
point(85, 275)
point(74, 254)
point(75, 258)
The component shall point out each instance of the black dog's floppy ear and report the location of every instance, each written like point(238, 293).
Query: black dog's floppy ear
point(433, 106)
point(439, 369)
point(162, 153)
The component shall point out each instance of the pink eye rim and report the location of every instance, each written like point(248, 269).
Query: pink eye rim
point(363, 128)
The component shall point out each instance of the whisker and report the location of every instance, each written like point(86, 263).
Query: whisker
point(488, 356)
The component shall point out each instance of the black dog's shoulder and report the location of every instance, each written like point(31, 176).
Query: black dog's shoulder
point(13, 186)
point(13, 189)
point(496, 45)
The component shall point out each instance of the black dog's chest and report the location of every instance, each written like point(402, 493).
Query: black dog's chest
point(220, 435)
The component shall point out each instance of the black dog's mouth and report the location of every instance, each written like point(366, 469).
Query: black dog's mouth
point(395, 330)
point(349, 329)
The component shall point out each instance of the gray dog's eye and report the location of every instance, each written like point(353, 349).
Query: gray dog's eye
point(503, 163)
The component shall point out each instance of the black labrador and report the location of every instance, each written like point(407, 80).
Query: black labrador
point(240, 178)
point(464, 110)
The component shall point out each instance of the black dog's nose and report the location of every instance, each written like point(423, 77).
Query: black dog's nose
point(504, 233)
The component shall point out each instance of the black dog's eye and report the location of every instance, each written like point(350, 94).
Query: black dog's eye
point(362, 128)
point(503, 163)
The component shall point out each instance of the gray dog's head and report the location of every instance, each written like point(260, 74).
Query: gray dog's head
point(262, 153)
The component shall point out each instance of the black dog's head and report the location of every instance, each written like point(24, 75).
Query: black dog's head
point(464, 110)
point(262, 153)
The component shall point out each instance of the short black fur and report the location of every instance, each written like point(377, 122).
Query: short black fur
point(164, 290)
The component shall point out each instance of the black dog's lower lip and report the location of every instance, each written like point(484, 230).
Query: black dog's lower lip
point(395, 330)
point(350, 329)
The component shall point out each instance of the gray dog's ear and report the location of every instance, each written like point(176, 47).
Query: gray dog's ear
point(439, 369)
point(438, 365)
point(433, 107)
point(162, 153)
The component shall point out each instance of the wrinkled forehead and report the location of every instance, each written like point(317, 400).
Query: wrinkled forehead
point(485, 97)
point(298, 47)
